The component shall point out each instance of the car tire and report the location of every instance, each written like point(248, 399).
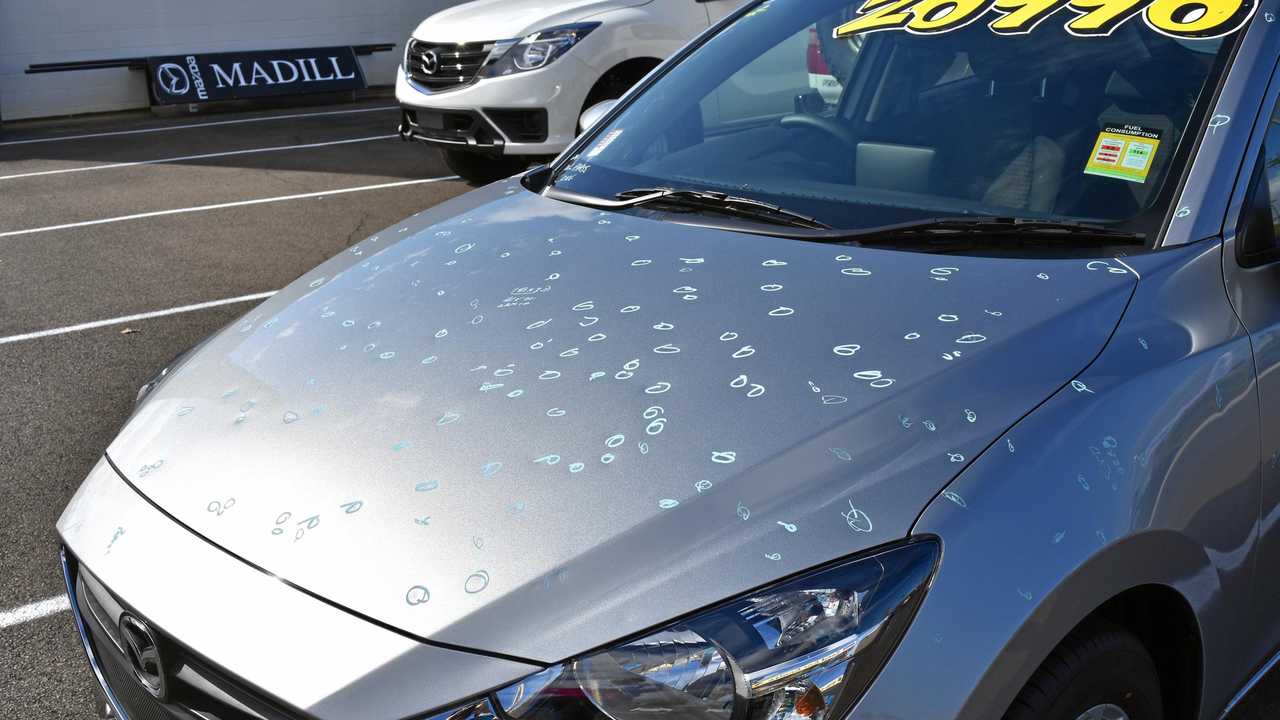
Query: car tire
point(1100, 672)
point(610, 87)
point(615, 83)
point(481, 169)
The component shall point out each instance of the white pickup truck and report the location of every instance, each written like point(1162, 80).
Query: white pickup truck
point(498, 83)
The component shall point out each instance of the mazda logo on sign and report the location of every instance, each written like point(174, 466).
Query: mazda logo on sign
point(173, 79)
point(143, 652)
point(430, 62)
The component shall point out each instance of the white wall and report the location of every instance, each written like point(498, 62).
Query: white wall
point(40, 31)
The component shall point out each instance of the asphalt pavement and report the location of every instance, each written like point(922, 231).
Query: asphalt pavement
point(124, 240)
point(112, 217)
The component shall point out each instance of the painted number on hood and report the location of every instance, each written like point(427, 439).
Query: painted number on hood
point(1175, 18)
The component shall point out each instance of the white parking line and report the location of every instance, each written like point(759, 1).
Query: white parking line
point(134, 318)
point(34, 611)
point(206, 156)
point(190, 126)
point(220, 206)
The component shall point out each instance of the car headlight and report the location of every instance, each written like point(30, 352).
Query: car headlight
point(804, 649)
point(535, 51)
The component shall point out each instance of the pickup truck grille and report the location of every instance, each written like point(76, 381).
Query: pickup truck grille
point(446, 66)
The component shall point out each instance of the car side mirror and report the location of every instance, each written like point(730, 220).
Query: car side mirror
point(595, 114)
point(1256, 234)
point(535, 179)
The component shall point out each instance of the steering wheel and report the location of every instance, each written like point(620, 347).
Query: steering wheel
point(826, 125)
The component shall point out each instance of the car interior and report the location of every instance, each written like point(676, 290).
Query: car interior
point(1032, 107)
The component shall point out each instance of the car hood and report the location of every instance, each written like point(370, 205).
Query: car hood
point(530, 428)
point(485, 20)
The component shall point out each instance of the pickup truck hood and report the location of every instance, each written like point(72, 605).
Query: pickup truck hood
point(485, 20)
point(530, 428)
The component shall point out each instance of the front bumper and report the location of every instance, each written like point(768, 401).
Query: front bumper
point(486, 132)
point(479, 116)
point(237, 632)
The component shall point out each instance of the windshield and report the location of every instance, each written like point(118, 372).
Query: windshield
point(798, 105)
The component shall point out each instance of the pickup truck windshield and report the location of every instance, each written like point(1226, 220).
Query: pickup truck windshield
point(807, 106)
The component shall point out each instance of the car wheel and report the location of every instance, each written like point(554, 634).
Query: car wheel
point(1100, 672)
point(481, 169)
point(610, 87)
point(615, 83)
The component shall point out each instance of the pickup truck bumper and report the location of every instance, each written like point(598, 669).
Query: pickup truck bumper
point(534, 113)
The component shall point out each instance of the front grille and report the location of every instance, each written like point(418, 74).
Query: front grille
point(198, 690)
point(445, 66)
point(137, 702)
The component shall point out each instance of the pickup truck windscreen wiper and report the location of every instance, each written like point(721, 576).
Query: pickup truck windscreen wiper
point(697, 201)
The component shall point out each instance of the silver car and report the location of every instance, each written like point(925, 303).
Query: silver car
point(948, 391)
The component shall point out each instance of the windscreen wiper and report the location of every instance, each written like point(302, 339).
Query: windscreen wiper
point(945, 234)
point(720, 202)
point(950, 233)
point(694, 200)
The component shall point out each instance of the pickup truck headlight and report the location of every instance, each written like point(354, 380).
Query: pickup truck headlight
point(804, 649)
point(535, 51)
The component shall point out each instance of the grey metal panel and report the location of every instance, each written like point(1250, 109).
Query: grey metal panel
point(1255, 295)
point(303, 651)
point(537, 411)
point(1203, 204)
point(1149, 477)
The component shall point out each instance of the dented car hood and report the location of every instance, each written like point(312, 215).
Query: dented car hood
point(530, 428)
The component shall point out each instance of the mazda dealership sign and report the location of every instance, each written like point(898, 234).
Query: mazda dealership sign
point(234, 75)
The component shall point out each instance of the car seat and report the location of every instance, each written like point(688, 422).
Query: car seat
point(1008, 150)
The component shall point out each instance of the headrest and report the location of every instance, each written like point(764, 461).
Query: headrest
point(1119, 87)
point(1050, 51)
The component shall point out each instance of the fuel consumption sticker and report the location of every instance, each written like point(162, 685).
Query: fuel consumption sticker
point(1124, 152)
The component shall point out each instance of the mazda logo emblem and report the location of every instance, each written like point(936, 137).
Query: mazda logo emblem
point(173, 79)
point(143, 652)
point(430, 62)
